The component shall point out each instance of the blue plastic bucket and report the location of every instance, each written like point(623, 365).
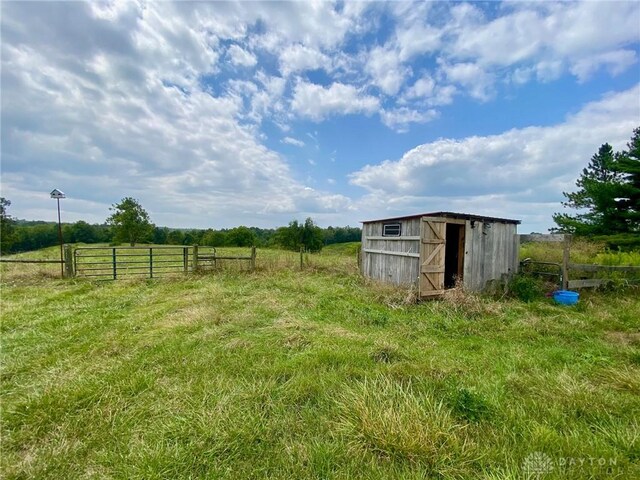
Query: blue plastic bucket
point(566, 297)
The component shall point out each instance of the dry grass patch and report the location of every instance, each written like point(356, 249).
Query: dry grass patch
point(623, 378)
point(623, 338)
point(469, 304)
point(389, 420)
point(392, 296)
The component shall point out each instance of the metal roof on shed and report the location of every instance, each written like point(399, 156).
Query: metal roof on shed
point(464, 216)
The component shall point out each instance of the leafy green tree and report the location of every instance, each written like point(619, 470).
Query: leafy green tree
point(312, 237)
point(6, 226)
point(130, 222)
point(175, 237)
point(289, 237)
point(214, 238)
point(599, 187)
point(160, 235)
point(241, 237)
point(297, 235)
point(341, 235)
point(82, 232)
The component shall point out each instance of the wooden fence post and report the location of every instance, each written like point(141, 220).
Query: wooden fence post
point(253, 258)
point(195, 258)
point(301, 257)
point(113, 259)
point(68, 261)
point(150, 262)
point(566, 246)
point(185, 259)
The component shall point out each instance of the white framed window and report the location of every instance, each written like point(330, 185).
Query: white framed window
point(393, 229)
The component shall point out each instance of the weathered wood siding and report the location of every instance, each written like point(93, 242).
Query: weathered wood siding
point(491, 250)
point(396, 269)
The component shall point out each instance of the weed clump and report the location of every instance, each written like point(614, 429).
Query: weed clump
point(526, 288)
point(469, 405)
point(385, 352)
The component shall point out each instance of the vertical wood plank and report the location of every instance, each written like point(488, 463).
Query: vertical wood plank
point(253, 258)
point(68, 261)
point(566, 246)
point(195, 262)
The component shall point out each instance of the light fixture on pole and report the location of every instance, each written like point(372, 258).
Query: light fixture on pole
point(57, 194)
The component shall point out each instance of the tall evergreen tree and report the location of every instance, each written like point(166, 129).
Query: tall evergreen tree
point(628, 166)
point(599, 188)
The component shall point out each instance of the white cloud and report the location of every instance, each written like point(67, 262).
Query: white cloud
point(293, 141)
point(386, 70)
point(130, 98)
point(552, 37)
point(417, 39)
point(241, 57)
point(478, 82)
point(317, 102)
point(528, 166)
point(400, 118)
point(128, 117)
point(427, 90)
point(298, 58)
point(616, 62)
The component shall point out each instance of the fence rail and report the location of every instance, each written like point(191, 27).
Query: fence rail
point(567, 269)
point(587, 267)
point(20, 260)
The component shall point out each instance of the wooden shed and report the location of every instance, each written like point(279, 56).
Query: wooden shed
point(435, 250)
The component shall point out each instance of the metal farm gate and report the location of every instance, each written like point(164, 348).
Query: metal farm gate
point(111, 263)
point(118, 262)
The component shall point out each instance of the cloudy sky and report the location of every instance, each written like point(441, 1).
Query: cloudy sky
point(220, 114)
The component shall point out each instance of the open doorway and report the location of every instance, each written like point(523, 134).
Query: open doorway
point(454, 255)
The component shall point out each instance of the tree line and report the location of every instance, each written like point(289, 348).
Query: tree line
point(130, 224)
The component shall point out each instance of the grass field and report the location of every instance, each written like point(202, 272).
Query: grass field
point(311, 374)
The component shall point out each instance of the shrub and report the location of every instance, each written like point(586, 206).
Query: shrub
point(526, 288)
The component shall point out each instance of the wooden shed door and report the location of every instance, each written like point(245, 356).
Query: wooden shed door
point(433, 231)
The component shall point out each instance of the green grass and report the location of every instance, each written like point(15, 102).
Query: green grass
point(311, 374)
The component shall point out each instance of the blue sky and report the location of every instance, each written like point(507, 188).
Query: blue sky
point(220, 114)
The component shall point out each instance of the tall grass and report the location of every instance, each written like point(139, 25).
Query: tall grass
point(318, 373)
point(582, 251)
